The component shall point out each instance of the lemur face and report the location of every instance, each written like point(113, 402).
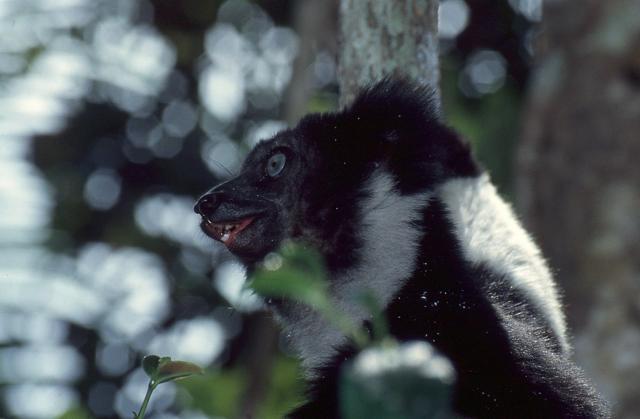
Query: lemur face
point(251, 214)
point(301, 184)
point(311, 183)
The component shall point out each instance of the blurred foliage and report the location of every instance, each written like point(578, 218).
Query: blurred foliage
point(409, 381)
point(297, 273)
point(323, 102)
point(489, 122)
point(75, 413)
point(219, 393)
point(294, 272)
point(216, 394)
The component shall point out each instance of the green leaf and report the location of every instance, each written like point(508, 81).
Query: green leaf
point(216, 393)
point(369, 301)
point(304, 259)
point(76, 412)
point(150, 365)
point(295, 272)
point(285, 390)
point(176, 370)
point(290, 283)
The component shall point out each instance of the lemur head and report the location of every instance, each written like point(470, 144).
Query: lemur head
point(307, 183)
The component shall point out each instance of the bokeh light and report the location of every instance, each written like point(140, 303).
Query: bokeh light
point(453, 17)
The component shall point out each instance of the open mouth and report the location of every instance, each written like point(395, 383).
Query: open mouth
point(226, 231)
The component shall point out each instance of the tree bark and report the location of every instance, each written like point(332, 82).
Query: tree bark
point(578, 182)
point(381, 38)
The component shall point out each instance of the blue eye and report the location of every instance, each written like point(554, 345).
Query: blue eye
point(276, 164)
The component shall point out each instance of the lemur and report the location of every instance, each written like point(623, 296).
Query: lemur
point(395, 203)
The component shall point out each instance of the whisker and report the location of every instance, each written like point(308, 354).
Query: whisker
point(222, 166)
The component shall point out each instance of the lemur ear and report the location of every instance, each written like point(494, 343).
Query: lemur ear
point(393, 107)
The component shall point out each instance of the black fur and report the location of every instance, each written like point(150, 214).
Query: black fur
point(509, 362)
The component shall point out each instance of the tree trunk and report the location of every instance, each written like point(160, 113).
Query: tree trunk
point(578, 182)
point(381, 38)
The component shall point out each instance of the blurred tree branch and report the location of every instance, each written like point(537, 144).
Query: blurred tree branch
point(315, 22)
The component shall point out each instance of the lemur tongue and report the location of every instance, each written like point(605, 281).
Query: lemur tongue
point(227, 232)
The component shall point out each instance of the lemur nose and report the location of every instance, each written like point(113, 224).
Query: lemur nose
point(207, 204)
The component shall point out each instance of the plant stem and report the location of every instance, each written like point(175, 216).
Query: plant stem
point(147, 397)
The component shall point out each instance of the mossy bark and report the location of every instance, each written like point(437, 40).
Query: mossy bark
point(381, 38)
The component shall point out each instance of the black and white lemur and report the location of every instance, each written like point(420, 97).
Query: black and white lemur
point(395, 202)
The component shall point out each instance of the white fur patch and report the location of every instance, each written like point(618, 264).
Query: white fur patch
point(390, 247)
point(489, 233)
